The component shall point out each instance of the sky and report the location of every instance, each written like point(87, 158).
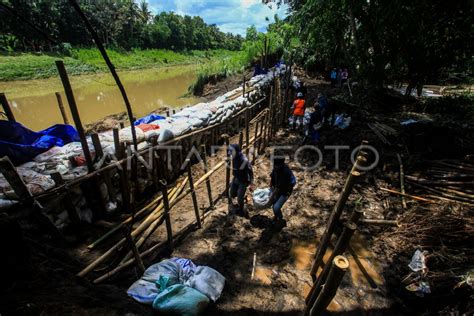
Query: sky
point(232, 16)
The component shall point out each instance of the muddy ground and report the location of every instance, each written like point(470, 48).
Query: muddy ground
point(228, 242)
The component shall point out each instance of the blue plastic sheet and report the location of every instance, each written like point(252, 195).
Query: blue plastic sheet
point(21, 144)
point(148, 119)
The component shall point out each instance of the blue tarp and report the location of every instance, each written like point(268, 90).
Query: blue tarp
point(148, 119)
point(21, 144)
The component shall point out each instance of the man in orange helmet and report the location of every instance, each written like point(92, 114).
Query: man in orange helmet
point(298, 108)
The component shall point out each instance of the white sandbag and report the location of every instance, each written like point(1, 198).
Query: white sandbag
point(143, 291)
point(49, 154)
point(152, 133)
point(125, 135)
point(262, 198)
point(165, 135)
point(207, 281)
point(166, 273)
point(195, 122)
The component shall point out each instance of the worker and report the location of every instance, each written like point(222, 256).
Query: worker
point(313, 136)
point(301, 88)
point(298, 109)
point(243, 177)
point(333, 77)
point(344, 76)
point(282, 184)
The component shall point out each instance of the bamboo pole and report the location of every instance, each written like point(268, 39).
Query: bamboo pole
point(15, 180)
point(166, 205)
point(402, 182)
point(193, 193)
point(134, 249)
point(153, 250)
point(339, 267)
point(154, 203)
point(208, 181)
point(75, 113)
point(146, 223)
point(374, 221)
point(247, 132)
point(6, 107)
point(334, 218)
point(341, 246)
point(418, 198)
point(70, 208)
point(111, 68)
point(155, 219)
point(61, 108)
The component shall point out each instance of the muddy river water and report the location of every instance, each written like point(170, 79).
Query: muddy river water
point(34, 102)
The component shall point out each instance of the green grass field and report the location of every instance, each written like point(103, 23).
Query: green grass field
point(36, 66)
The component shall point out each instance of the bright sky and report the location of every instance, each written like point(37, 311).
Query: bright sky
point(229, 15)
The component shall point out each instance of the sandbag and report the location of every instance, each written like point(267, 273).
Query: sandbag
point(262, 198)
point(188, 267)
point(165, 135)
point(167, 268)
point(166, 273)
point(143, 291)
point(207, 281)
point(181, 300)
point(125, 135)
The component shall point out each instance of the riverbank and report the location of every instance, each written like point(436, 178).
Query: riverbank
point(27, 66)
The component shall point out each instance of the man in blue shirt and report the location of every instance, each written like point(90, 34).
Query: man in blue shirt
point(282, 183)
point(243, 176)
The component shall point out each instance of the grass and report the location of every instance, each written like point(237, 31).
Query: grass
point(85, 60)
point(233, 63)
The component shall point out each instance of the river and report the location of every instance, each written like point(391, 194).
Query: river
point(34, 102)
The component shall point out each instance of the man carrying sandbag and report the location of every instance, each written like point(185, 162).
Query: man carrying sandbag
point(243, 177)
point(282, 184)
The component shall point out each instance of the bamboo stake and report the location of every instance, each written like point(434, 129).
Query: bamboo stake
point(193, 194)
point(154, 249)
point(155, 219)
point(75, 113)
point(70, 208)
point(208, 181)
point(374, 221)
point(103, 52)
point(134, 249)
point(6, 108)
point(247, 133)
point(341, 246)
point(169, 231)
point(146, 223)
point(61, 108)
point(418, 198)
point(339, 267)
point(254, 264)
point(334, 217)
point(402, 182)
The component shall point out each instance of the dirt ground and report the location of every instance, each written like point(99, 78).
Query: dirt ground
point(228, 243)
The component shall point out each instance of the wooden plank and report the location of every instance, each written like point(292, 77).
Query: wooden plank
point(208, 180)
point(6, 107)
point(67, 200)
point(193, 193)
point(15, 180)
point(166, 206)
point(62, 110)
point(75, 113)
